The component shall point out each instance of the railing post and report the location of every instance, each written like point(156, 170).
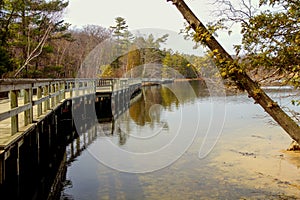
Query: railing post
point(39, 96)
point(14, 104)
point(28, 118)
point(76, 88)
point(84, 86)
point(52, 91)
point(87, 90)
point(91, 85)
point(71, 89)
point(88, 86)
point(57, 98)
point(112, 84)
point(46, 94)
point(63, 89)
point(94, 86)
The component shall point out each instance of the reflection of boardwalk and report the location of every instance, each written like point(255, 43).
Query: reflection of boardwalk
point(86, 138)
point(112, 184)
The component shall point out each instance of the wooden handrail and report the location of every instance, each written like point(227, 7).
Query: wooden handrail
point(36, 92)
point(26, 95)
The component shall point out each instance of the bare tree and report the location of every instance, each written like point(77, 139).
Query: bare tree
point(241, 12)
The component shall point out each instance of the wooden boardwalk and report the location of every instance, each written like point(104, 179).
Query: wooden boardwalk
point(31, 111)
point(28, 101)
point(6, 135)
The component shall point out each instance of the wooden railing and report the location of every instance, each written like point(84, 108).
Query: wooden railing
point(26, 100)
point(110, 85)
point(34, 97)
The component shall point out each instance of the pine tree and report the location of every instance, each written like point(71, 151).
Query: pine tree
point(26, 26)
point(123, 39)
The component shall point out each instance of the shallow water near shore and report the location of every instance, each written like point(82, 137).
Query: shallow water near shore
point(248, 161)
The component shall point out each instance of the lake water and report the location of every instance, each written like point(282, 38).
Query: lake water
point(175, 142)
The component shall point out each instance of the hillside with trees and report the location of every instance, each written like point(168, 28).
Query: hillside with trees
point(36, 43)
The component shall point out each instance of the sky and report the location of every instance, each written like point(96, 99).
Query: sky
point(147, 15)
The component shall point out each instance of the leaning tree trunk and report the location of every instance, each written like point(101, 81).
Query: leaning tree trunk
point(239, 76)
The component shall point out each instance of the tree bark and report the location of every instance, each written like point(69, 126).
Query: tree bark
point(239, 76)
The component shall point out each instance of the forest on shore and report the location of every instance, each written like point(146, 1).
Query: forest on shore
point(35, 42)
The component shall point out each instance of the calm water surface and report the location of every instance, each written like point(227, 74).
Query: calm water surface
point(170, 126)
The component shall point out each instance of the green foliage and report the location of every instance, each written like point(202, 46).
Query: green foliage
point(48, 49)
point(107, 71)
point(24, 25)
point(271, 39)
point(5, 62)
point(122, 39)
point(133, 58)
point(120, 28)
point(121, 33)
point(296, 102)
point(132, 51)
point(52, 71)
point(180, 63)
point(144, 49)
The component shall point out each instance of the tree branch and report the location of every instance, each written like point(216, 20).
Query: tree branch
point(37, 51)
